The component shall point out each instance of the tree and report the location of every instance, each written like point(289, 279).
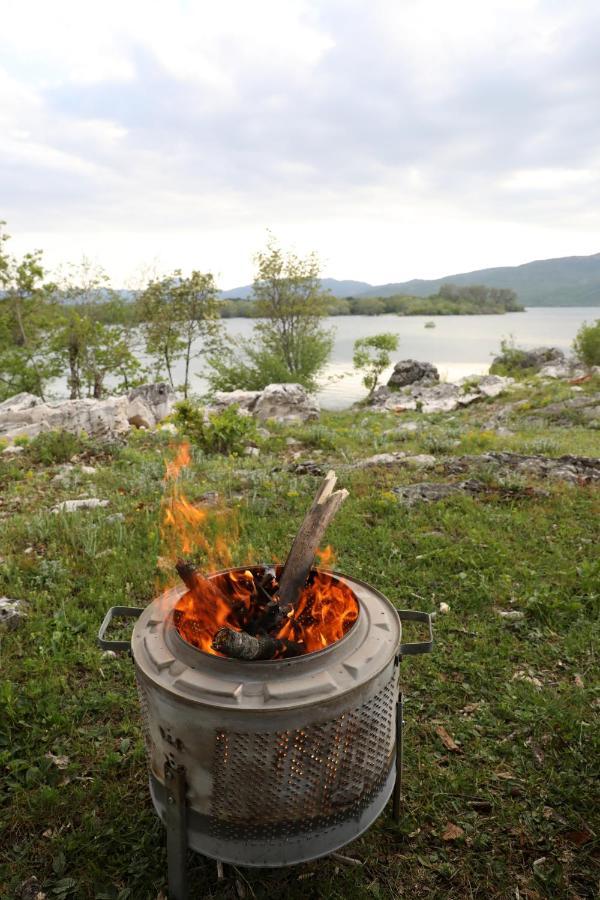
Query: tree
point(372, 354)
point(175, 313)
point(87, 340)
point(289, 343)
point(27, 311)
point(587, 344)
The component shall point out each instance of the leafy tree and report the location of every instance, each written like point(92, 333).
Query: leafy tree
point(587, 344)
point(27, 311)
point(372, 354)
point(176, 312)
point(89, 339)
point(289, 343)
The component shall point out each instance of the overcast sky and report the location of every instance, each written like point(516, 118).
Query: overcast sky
point(399, 138)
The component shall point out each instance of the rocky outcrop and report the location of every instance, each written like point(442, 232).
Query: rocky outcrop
point(529, 360)
point(410, 371)
point(107, 419)
point(573, 469)
point(282, 402)
point(444, 397)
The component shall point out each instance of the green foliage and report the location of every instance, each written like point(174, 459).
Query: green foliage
point(289, 343)
point(587, 344)
point(27, 309)
point(223, 432)
point(175, 312)
point(512, 361)
point(50, 447)
point(372, 354)
point(87, 337)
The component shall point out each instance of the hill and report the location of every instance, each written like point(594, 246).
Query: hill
point(566, 281)
point(347, 288)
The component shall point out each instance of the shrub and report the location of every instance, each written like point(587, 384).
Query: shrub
point(222, 432)
point(587, 344)
point(51, 447)
point(512, 361)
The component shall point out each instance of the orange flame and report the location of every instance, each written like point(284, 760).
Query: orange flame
point(325, 611)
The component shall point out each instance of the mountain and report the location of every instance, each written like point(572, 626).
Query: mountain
point(566, 281)
point(337, 288)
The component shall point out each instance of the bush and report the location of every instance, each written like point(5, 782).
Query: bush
point(587, 344)
point(51, 447)
point(512, 361)
point(223, 432)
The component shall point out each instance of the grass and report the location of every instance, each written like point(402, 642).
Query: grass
point(520, 698)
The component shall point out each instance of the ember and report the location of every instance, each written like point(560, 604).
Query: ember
point(259, 612)
point(236, 613)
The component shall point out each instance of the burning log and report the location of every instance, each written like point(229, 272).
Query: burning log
point(302, 553)
point(189, 574)
point(241, 645)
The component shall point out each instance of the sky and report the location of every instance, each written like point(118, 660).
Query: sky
point(398, 138)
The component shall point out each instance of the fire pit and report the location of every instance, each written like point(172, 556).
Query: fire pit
point(272, 761)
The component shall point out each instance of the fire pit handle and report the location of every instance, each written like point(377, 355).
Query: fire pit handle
point(416, 647)
point(126, 612)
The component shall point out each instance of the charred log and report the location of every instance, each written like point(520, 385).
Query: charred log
point(241, 645)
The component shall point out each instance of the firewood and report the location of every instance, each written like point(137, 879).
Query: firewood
point(302, 553)
point(189, 574)
point(241, 645)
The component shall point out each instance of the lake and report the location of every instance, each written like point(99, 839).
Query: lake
point(458, 345)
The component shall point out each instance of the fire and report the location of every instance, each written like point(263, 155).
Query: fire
point(240, 599)
point(326, 610)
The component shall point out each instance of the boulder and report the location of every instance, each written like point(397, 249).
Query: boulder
point(70, 506)
point(410, 371)
point(12, 612)
point(106, 419)
point(283, 402)
point(149, 404)
point(531, 360)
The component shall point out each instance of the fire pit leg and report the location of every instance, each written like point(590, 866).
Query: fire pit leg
point(397, 798)
point(176, 822)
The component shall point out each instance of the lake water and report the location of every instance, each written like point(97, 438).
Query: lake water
point(458, 345)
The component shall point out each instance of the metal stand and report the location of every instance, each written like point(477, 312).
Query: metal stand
point(397, 795)
point(176, 822)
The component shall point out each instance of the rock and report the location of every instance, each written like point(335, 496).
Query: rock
point(444, 609)
point(20, 402)
point(209, 498)
point(286, 402)
point(149, 404)
point(30, 889)
point(283, 402)
point(408, 426)
point(108, 654)
point(74, 505)
point(431, 492)
point(532, 360)
point(493, 385)
point(116, 517)
point(574, 469)
point(107, 419)
point(420, 461)
point(306, 468)
point(380, 459)
point(292, 442)
point(586, 408)
point(169, 427)
point(87, 470)
point(12, 612)
point(251, 451)
point(511, 615)
point(244, 400)
point(12, 450)
point(410, 371)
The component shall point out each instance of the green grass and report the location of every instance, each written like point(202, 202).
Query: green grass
point(520, 698)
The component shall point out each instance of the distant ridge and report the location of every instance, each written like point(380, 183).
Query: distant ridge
point(565, 281)
point(338, 289)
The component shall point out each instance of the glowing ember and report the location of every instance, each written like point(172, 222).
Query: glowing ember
point(326, 610)
point(243, 600)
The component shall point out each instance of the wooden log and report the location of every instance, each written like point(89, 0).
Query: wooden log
point(241, 645)
point(189, 574)
point(302, 553)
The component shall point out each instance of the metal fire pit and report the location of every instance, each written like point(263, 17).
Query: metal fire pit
point(276, 762)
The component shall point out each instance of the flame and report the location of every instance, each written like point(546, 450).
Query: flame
point(237, 598)
point(326, 556)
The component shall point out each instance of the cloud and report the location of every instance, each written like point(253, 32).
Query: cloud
point(155, 118)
